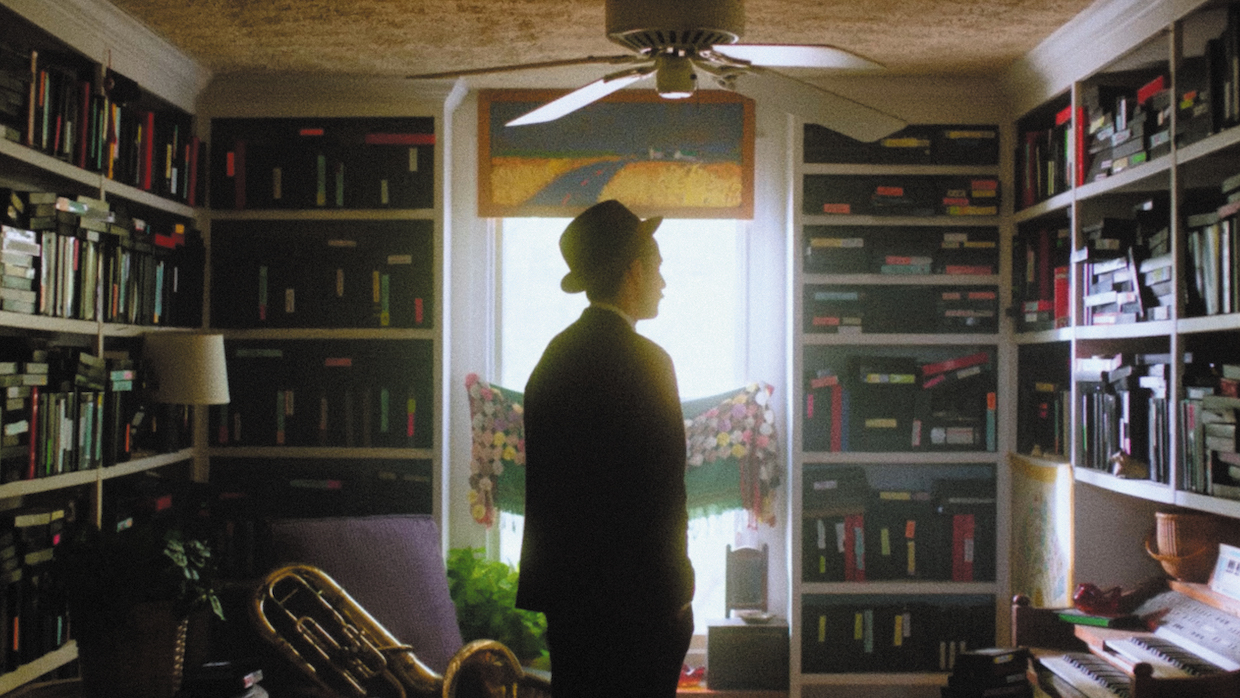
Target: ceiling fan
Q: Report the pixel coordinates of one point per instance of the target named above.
(676, 40)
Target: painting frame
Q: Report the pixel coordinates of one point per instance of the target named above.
(719, 185)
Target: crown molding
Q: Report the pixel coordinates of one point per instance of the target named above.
(273, 94)
(1094, 38)
(103, 33)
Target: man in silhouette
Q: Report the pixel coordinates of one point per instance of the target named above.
(604, 550)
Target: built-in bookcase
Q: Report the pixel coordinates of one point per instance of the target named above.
(99, 177)
(898, 305)
(1137, 350)
(325, 278)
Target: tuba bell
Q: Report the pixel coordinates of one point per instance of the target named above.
(314, 623)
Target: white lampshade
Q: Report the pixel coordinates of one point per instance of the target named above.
(189, 368)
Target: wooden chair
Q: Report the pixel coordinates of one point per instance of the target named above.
(745, 579)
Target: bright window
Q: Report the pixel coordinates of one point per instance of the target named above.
(700, 324)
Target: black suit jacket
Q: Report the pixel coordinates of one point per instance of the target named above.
(605, 518)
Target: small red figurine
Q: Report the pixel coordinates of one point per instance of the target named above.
(1090, 599)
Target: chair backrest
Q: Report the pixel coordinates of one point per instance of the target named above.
(391, 565)
(745, 579)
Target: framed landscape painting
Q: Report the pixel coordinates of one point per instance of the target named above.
(689, 158)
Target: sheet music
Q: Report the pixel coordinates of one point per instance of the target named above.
(1210, 633)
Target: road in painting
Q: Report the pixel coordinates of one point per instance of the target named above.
(579, 187)
(684, 155)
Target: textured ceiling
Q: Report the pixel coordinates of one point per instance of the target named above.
(398, 37)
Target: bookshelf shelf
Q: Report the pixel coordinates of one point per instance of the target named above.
(28, 160)
(43, 323)
(1208, 323)
(1158, 328)
(898, 679)
(897, 221)
(899, 588)
(323, 452)
(334, 334)
(1211, 147)
(29, 672)
(1153, 176)
(326, 214)
(865, 170)
(1143, 489)
(1056, 205)
(1063, 334)
(899, 457)
(1214, 505)
(903, 279)
(139, 463)
(885, 339)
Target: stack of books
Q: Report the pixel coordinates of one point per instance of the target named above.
(1126, 127)
(1040, 278)
(1124, 410)
(990, 673)
(969, 196)
(224, 679)
(955, 407)
(24, 377)
(1211, 455)
(967, 252)
(1214, 277)
(835, 310)
(35, 619)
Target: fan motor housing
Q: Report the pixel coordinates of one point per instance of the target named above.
(656, 25)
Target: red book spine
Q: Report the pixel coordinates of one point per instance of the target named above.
(854, 548)
(962, 548)
(1078, 143)
(980, 357)
(1061, 296)
(34, 432)
(837, 418)
(399, 138)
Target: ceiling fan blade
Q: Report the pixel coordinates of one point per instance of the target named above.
(816, 105)
(582, 96)
(587, 60)
(797, 56)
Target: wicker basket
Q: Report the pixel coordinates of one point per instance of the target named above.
(1187, 544)
(143, 659)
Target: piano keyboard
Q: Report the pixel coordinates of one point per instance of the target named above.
(1091, 675)
(1167, 659)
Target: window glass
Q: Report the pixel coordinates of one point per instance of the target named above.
(700, 324)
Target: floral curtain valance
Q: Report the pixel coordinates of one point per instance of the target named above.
(731, 448)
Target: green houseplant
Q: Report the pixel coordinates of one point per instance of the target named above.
(131, 595)
(485, 594)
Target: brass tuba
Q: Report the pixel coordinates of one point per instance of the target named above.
(329, 637)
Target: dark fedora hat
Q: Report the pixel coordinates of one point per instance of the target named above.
(605, 237)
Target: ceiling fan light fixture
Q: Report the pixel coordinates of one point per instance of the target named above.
(674, 76)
